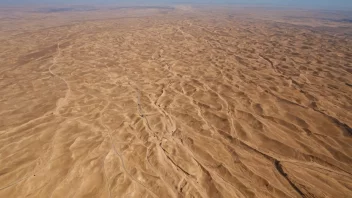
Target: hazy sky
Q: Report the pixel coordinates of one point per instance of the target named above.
(347, 4)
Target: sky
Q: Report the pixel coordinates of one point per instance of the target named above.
(334, 4)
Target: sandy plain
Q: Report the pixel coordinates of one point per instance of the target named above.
(175, 102)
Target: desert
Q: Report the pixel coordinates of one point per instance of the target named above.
(175, 101)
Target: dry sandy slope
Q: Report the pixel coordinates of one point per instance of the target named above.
(178, 104)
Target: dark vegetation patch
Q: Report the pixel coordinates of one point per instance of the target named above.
(65, 9)
(143, 7)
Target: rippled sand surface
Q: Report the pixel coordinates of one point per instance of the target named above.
(175, 102)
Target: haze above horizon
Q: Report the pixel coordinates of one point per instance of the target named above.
(337, 4)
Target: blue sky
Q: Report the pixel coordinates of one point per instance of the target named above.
(346, 4)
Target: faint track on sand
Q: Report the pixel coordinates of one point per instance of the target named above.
(62, 101)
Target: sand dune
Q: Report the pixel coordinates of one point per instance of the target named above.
(162, 102)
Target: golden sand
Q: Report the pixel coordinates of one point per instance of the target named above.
(175, 102)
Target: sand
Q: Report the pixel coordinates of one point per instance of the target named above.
(175, 102)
